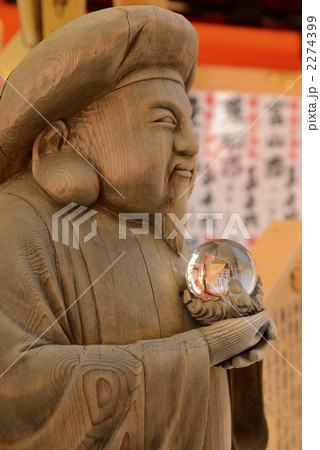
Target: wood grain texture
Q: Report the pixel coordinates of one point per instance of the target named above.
(46, 270)
(97, 353)
(233, 336)
(63, 74)
(237, 303)
(250, 428)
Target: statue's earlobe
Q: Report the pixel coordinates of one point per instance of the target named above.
(60, 171)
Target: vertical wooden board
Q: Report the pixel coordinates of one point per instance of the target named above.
(12, 54)
(30, 17)
(159, 3)
(1, 34)
(278, 255)
(56, 14)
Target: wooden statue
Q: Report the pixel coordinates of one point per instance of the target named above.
(98, 349)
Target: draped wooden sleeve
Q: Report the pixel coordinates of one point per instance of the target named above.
(55, 394)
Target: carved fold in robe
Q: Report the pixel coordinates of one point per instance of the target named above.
(125, 366)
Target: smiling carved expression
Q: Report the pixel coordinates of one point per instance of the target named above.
(140, 137)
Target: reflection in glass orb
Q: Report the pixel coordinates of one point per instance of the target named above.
(214, 264)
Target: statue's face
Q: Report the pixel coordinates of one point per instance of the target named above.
(141, 139)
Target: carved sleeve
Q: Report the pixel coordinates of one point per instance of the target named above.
(54, 394)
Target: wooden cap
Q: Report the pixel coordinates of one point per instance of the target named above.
(84, 60)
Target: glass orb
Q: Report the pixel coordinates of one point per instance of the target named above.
(213, 264)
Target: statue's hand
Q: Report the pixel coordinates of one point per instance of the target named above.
(237, 303)
(256, 353)
(205, 312)
(231, 338)
(240, 302)
(245, 305)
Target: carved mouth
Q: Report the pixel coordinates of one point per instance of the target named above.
(184, 170)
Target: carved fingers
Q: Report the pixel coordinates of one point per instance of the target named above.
(237, 303)
(205, 312)
(230, 338)
(271, 332)
(256, 353)
(241, 303)
(240, 300)
(258, 291)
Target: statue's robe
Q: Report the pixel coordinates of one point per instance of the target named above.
(125, 366)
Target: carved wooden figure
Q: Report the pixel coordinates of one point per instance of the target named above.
(98, 349)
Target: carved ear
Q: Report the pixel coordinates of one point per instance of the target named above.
(50, 140)
(60, 171)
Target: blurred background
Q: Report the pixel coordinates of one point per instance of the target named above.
(247, 117)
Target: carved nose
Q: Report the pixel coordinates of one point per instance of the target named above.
(185, 141)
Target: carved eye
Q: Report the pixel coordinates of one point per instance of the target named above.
(167, 119)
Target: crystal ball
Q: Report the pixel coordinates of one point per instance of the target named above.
(213, 264)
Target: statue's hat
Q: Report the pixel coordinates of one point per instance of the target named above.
(85, 60)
